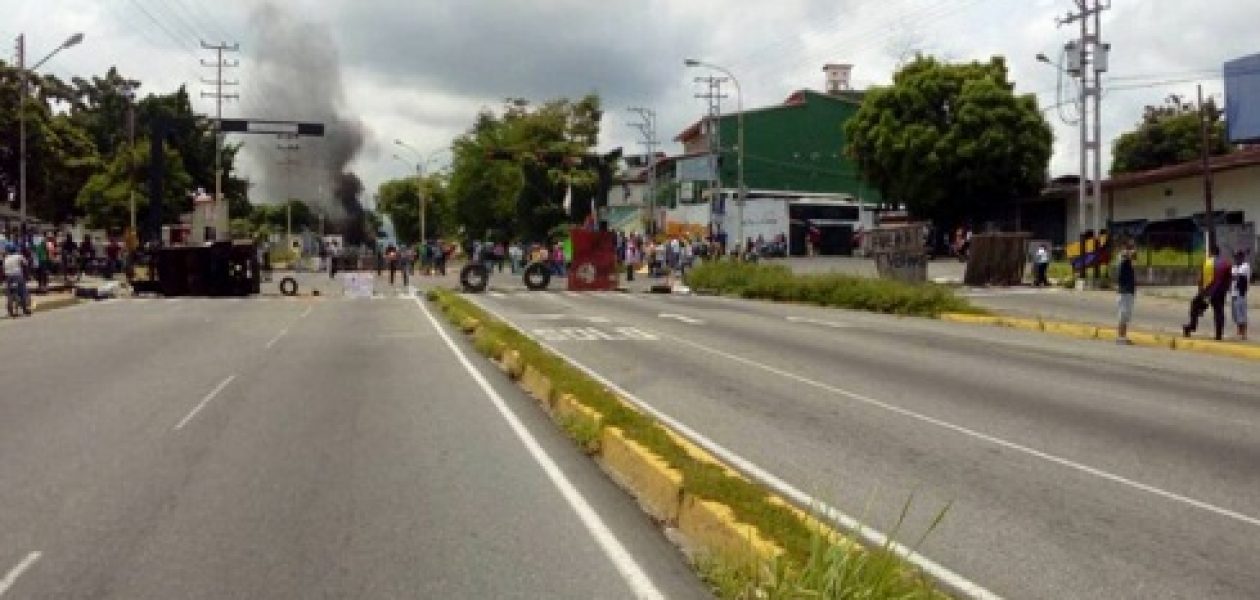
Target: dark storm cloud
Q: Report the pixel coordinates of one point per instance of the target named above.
(537, 50)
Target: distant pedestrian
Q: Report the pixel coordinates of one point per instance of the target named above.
(1241, 276)
(15, 267)
(1041, 264)
(1128, 291)
(1214, 284)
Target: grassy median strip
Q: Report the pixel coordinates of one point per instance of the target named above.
(868, 573)
(777, 282)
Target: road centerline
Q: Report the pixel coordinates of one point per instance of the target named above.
(633, 574)
(204, 401)
(12, 576)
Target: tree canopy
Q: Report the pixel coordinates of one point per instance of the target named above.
(400, 200)
(950, 140)
(1169, 134)
(80, 165)
(512, 169)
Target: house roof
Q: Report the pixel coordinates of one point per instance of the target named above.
(1227, 162)
(797, 98)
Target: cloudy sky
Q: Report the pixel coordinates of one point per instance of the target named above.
(419, 70)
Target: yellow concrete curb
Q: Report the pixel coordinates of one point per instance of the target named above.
(568, 407)
(512, 363)
(712, 526)
(1094, 332)
(469, 324)
(651, 480)
(537, 385)
(55, 303)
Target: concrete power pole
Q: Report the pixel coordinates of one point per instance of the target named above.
(21, 63)
(219, 64)
(1088, 60)
(714, 97)
(288, 163)
(647, 128)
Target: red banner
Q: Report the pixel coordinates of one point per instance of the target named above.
(594, 265)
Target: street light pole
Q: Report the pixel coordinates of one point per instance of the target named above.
(25, 74)
(739, 107)
(420, 199)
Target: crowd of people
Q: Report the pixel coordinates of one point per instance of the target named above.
(41, 256)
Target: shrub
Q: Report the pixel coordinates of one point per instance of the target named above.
(777, 282)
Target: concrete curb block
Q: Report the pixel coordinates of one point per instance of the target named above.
(713, 528)
(1094, 332)
(647, 477)
(512, 363)
(568, 407)
(536, 384)
(52, 304)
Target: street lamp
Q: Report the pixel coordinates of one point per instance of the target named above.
(739, 106)
(421, 165)
(70, 41)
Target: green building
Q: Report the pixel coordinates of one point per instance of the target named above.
(796, 146)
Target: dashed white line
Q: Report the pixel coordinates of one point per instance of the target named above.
(640, 584)
(498, 295)
(306, 312)
(832, 324)
(683, 318)
(204, 402)
(277, 338)
(13, 574)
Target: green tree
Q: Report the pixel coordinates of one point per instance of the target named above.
(1169, 134)
(400, 201)
(950, 140)
(511, 170)
(105, 198)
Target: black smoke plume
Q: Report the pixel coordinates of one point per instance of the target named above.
(292, 72)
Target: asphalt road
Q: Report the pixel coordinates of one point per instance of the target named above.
(260, 448)
(1071, 469)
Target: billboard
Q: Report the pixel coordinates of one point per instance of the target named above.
(1242, 99)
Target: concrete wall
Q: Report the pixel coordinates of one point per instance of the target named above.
(1235, 190)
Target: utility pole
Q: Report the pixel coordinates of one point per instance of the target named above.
(288, 163)
(219, 97)
(714, 97)
(1207, 172)
(1088, 59)
(21, 63)
(647, 128)
(131, 155)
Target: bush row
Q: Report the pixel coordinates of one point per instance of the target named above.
(777, 282)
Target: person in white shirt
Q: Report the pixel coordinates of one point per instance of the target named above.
(1041, 264)
(1240, 280)
(15, 267)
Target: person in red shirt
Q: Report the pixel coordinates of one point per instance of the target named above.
(1214, 286)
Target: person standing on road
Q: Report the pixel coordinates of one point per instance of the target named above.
(15, 267)
(1214, 284)
(1041, 264)
(1127, 285)
(87, 254)
(1241, 276)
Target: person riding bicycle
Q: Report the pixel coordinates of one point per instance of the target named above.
(15, 268)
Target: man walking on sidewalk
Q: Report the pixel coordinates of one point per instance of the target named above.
(1041, 264)
(1214, 284)
(1241, 276)
(1127, 285)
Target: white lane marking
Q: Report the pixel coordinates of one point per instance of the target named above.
(572, 294)
(563, 317)
(833, 324)
(1071, 464)
(277, 338)
(873, 537)
(204, 402)
(498, 295)
(306, 312)
(638, 580)
(683, 318)
(12, 577)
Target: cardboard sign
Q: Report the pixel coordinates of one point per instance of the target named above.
(594, 264)
(358, 285)
(898, 251)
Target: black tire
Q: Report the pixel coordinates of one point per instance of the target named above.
(474, 278)
(288, 286)
(537, 277)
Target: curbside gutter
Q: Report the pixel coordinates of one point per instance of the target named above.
(43, 305)
(701, 526)
(1095, 332)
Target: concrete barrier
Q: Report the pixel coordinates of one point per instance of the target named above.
(656, 486)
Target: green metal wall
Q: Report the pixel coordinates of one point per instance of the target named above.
(797, 148)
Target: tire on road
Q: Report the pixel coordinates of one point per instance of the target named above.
(474, 278)
(288, 286)
(537, 277)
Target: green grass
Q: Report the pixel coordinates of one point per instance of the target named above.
(748, 501)
(777, 282)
